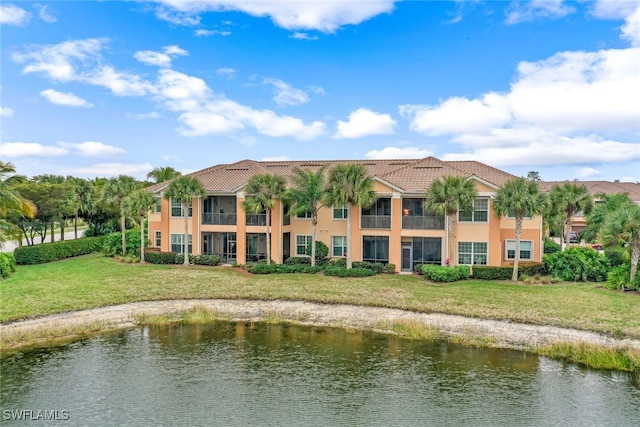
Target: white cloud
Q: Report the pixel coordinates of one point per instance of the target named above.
(302, 36)
(93, 149)
(61, 61)
(110, 169)
(204, 33)
(287, 94)
(458, 114)
(6, 112)
(30, 149)
(364, 122)
(68, 99)
(226, 72)
(327, 16)
(120, 83)
(587, 172)
(398, 153)
(13, 15)
(537, 9)
(143, 116)
(43, 12)
(160, 59)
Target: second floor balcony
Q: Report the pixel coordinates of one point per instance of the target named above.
(423, 222)
(257, 219)
(219, 218)
(376, 221)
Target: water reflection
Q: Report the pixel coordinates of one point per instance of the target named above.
(266, 374)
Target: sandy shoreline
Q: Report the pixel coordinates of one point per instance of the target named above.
(502, 333)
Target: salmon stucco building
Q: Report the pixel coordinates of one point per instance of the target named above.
(395, 229)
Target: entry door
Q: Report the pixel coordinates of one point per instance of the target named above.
(407, 254)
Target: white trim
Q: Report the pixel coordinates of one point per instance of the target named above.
(388, 184)
(344, 247)
(487, 183)
(506, 256)
(305, 246)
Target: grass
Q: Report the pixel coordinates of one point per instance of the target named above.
(95, 281)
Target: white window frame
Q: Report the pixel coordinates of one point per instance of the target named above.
(158, 238)
(473, 253)
(307, 239)
(507, 248)
(305, 215)
(175, 204)
(344, 209)
(158, 207)
(180, 237)
(343, 246)
(475, 209)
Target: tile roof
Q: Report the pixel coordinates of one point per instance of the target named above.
(597, 187)
(409, 175)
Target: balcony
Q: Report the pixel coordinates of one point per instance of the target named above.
(423, 222)
(219, 218)
(259, 219)
(376, 221)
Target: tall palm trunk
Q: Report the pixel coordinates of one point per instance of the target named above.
(75, 226)
(62, 224)
(185, 210)
(635, 256)
(566, 228)
(349, 209)
(268, 236)
(314, 225)
(451, 232)
(516, 258)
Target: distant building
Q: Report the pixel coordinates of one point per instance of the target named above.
(396, 229)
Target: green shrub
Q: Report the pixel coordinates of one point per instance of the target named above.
(207, 259)
(322, 251)
(113, 243)
(7, 265)
(530, 268)
(618, 278)
(48, 252)
(616, 256)
(439, 273)
(487, 272)
(294, 260)
(578, 264)
(348, 272)
(157, 257)
(297, 268)
(389, 269)
(263, 268)
(551, 247)
(377, 267)
(338, 262)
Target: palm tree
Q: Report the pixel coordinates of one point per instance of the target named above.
(307, 194)
(448, 196)
(138, 204)
(263, 190)
(185, 189)
(115, 190)
(608, 203)
(623, 226)
(11, 202)
(519, 197)
(162, 174)
(569, 199)
(350, 185)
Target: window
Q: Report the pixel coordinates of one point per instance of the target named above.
(511, 214)
(302, 240)
(380, 207)
(472, 253)
(158, 205)
(480, 212)
(158, 239)
(338, 246)
(412, 207)
(176, 208)
(375, 249)
(340, 212)
(526, 249)
(427, 250)
(303, 215)
(177, 243)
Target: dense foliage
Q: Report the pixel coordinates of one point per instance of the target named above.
(578, 264)
(7, 265)
(322, 251)
(48, 252)
(348, 272)
(113, 243)
(551, 247)
(486, 272)
(439, 273)
(618, 278)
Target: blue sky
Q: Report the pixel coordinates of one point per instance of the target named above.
(120, 87)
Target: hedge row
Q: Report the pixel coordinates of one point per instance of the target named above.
(48, 252)
(157, 257)
(348, 272)
(440, 273)
(486, 272)
(7, 265)
(263, 268)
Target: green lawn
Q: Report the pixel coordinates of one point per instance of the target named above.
(93, 281)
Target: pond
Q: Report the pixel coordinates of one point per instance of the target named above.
(239, 374)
